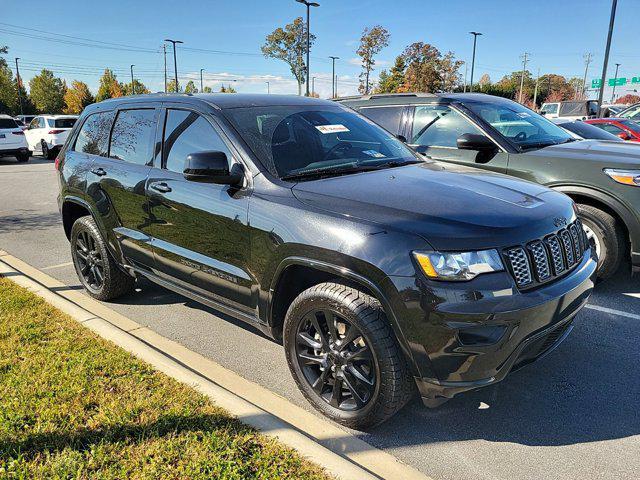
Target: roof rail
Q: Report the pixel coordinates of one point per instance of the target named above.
(386, 95)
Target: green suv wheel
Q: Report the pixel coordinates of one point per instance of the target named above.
(606, 238)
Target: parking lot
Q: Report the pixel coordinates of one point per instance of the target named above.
(574, 414)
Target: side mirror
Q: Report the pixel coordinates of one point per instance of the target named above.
(475, 141)
(211, 167)
(543, 112)
(402, 138)
(624, 136)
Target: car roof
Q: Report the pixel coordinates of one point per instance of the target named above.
(2, 115)
(56, 116)
(223, 101)
(416, 98)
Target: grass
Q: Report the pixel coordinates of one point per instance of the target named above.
(75, 406)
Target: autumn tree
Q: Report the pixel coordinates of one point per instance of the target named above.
(8, 94)
(109, 86)
(47, 92)
(390, 82)
(206, 89)
(628, 99)
(190, 87)
(423, 68)
(484, 80)
(228, 89)
(171, 86)
(372, 42)
(140, 88)
(77, 97)
(449, 69)
(288, 44)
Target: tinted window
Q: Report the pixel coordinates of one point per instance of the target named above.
(550, 108)
(187, 132)
(608, 127)
(573, 109)
(632, 112)
(8, 123)
(439, 126)
(386, 117)
(64, 122)
(631, 125)
(132, 136)
(93, 137)
(585, 130)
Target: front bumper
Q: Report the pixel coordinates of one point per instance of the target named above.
(469, 335)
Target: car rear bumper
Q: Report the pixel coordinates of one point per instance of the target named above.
(475, 337)
(13, 151)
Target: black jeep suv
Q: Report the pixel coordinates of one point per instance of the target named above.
(374, 266)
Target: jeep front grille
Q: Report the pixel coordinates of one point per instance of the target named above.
(543, 260)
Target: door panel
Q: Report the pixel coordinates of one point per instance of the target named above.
(118, 183)
(199, 231)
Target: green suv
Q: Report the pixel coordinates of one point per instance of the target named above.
(500, 135)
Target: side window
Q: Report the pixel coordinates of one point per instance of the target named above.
(439, 126)
(387, 117)
(93, 137)
(187, 132)
(551, 108)
(132, 136)
(42, 122)
(608, 127)
(34, 123)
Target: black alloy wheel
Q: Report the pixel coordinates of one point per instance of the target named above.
(336, 360)
(45, 149)
(89, 260)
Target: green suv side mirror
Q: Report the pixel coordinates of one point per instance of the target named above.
(211, 167)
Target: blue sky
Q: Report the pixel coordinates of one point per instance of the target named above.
(555, 33)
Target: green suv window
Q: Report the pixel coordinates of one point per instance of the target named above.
(439, 126)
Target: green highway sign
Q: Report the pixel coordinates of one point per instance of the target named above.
(635, 80)
(617, 82)
(614, 82)
(596, 83)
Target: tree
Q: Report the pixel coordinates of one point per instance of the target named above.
(141, 89)
(47, 92)
(423, 68)
(77, 97)
(190, 87)
(288, 44)
(576, 85)
(628, 99)
(449, 69)
(171, 86)
(373, 40)
(228, 89)
(392, 81)
(484, 80)
(109, 86)
(206, 89)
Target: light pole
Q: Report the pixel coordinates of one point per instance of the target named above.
(333, 76)
(18, 85)
(164, 50)
(175, 61)
(268, 88)
(612, 20)
(473, 57)
(615, 77)
(313, 85)
(201, 83)
(133, 85)
(309, 5)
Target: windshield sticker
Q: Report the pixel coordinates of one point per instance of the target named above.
(373, 153)
(523, 114)
(332, 128)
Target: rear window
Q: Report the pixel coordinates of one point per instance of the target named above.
(93, 137)
(573, 109)
(64, 122)
(387, 117)
(8, 123)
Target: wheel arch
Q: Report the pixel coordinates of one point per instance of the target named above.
(72, 209)
(296, 274)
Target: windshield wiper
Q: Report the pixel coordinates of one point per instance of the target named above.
(533, 145)
(327, 171)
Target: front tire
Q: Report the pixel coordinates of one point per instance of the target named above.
(606, 237)
(345, 357)
(98, 272)
(47, 152)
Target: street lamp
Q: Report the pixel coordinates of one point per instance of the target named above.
(473, 57)
(333, 76)
(268, 88)
(175, 61)
(612, 19)
(309, 5)
(133, 86)
(615, 78)
(201, 83)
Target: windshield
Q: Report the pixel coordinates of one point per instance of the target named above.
(8, 123)
(633, 112)
(631, 125)
(584, 130)
(64, 122)
(519, 125)
(294, 140)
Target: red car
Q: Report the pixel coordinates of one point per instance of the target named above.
(621, 127)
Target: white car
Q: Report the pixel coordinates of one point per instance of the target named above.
(47, 133)
(12, 139)
(570, 110)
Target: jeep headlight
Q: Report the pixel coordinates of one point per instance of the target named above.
(626, 177)
(458, 266)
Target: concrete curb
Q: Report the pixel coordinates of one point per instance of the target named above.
(340, 453)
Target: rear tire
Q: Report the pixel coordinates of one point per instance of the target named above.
(98, 272)
(47, 152)
(365, 366)
(22, 157)
(606, 237)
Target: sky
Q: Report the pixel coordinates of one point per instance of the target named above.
(555, 33)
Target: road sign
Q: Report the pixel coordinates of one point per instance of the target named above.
(635, 80)
(617, 82)
(596, 83)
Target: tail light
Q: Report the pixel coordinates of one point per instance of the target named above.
(56, 164)
(53, 132)
(18, 133)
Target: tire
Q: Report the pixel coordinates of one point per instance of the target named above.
(384, 384)
(22, 157)
(606, 237)
(90, 256)
(47, 152)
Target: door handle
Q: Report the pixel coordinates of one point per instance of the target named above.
(160, 187)
(99, 171)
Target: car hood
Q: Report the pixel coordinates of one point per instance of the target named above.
(450, 206)
(615, 154)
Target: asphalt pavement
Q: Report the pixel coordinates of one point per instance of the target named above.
(573, 414)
